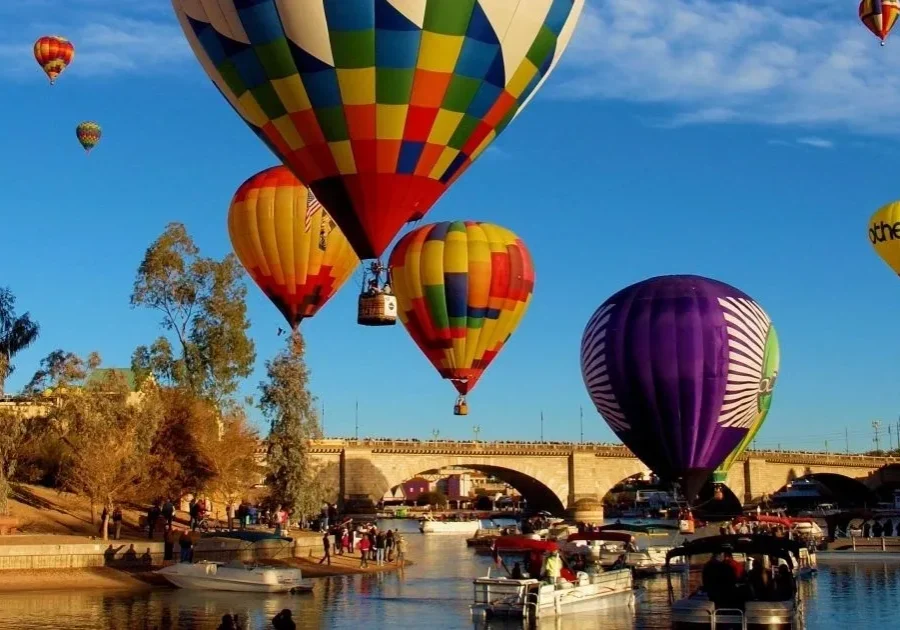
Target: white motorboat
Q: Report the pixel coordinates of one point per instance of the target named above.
(234, 576)
(428, 525)
(519, 594)
(608, 548)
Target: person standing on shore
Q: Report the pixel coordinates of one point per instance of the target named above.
(152, 516)
(389, 545)
(379, 548)
(168, 512)
(400, 544)
(326, 545)
(117, 522)
(186, 543)
(168, 544)
(363, 547)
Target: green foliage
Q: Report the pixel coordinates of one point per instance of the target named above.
(60, 370)
(17, 332)
(433, 498)
(17, 432)
(203, 306)
(290, 409)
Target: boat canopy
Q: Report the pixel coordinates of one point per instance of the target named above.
(637, 529)
(610, 536)
(758, 544)
(524, 544)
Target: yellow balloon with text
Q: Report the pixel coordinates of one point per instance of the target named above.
(884, 234)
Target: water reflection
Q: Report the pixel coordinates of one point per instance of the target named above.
(435, 594)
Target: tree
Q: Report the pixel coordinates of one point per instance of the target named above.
(203, 306)
(60, 370)
(109, 440)
(17, 332)
(290, 409)
(229, 447)
(17, 432)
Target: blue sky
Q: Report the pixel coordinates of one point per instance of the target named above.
(727, 139)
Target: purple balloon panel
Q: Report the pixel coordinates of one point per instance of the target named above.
(672, 364)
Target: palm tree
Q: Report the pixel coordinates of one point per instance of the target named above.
(16, 333)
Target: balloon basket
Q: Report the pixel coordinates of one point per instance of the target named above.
(379, 309)
(461, 409)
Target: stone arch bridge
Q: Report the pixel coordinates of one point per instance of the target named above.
(554, 476)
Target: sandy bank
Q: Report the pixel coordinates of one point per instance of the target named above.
(68, 579)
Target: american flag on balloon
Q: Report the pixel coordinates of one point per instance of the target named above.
(312, 206)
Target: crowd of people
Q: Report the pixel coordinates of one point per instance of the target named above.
(373, 544)
(730, 584)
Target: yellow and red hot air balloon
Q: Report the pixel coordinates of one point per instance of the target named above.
(884, 234)
(378, 105)
(53, 53)
(879, 16)
(462, 288)
(288, 243)
(88, 134)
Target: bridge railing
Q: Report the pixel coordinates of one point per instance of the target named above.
(601, 449)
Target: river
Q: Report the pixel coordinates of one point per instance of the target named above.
(434, 594)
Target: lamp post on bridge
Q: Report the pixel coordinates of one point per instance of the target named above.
(476, 430)
(435, 433)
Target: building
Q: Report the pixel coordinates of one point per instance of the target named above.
(414, 487)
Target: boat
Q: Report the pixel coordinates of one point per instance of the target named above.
(485, 536)
(428, 525)
(234, 576)
(527, 597)
(800, 526)
(608, 548)
(696, 611)
(650, 529)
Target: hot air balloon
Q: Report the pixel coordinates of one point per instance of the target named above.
(884, 234)
(378, 105)
(88, 134)
(288, 244)
(772, 359)
(676, 366)
(462, 288)
(53, 53)
(879, 16)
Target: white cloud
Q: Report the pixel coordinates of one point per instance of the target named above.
(723, 61)
(816, 142)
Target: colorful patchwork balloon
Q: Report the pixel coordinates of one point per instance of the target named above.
(88, 134)
(378, 105)
(462, 288)
(288, 244)
(53, 53)
(681, 369)
(879, 16)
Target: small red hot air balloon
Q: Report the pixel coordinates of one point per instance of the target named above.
(53, 53)
(879, 16)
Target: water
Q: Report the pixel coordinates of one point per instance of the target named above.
(434, 594)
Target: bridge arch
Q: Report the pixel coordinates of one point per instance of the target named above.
(537, 495)
(838, 488)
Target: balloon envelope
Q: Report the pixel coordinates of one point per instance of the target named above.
(288, 243)
(675, 364)
(88, 134)
(462, 288)
(53, 53)
(879, 16)
(884, 234)
(378, 105)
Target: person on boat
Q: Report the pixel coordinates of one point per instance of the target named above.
(517, 573)
(736, 566)
(719, 581)
(784, 584)
(227, 623)
(631, 545)
(284, 621)
(760, 581)
(552, 569)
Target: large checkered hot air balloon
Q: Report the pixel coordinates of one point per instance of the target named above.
(681, 368)
(462, 288)
(378, 105)
(288, 244)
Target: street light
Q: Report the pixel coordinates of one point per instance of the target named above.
(476, 430)
(434, 434)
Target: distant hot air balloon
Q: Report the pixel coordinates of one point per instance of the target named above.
(378, 105)
(53, 53)
(879, 16)
(462, 289)
(884, 234)
(677, 365)
(88, 134)
(287, 242)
